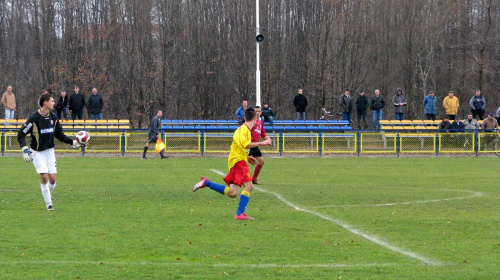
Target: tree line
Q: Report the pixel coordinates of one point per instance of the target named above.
(195, 59)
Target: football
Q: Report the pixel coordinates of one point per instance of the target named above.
(83, 137)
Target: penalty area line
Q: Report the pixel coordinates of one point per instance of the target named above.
(172, 264)
(348, 227)
(475, 194)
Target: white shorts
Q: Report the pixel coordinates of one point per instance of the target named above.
(45, 161)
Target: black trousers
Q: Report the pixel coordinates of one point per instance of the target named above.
(362, 114)
(478, 113)
(431, 117)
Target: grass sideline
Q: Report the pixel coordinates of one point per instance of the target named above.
(131, 219)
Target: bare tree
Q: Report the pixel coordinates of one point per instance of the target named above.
(196, 59)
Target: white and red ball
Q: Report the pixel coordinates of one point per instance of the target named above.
(83, 137)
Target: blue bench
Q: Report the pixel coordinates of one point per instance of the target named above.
(277, 122)
(279, 125)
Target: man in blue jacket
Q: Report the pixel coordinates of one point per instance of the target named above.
(240, 113)
(430, 105)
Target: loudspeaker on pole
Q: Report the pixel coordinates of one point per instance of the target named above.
(260, 38)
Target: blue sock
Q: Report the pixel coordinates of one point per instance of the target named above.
(244, 199)
(216, 187)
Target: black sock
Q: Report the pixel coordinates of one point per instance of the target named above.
(161, 153)
(145, 150)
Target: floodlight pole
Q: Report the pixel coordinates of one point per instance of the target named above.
(257, 71)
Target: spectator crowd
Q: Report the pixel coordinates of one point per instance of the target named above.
(71, 106)
(376, 104)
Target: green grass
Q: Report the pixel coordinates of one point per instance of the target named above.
(123, 218)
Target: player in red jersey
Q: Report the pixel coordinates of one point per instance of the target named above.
(257, 132)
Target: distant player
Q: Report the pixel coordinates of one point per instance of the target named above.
(239, 174)
(257, 132)
(43, 126)
(154, 130)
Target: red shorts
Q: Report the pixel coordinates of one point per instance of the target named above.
(238, 174)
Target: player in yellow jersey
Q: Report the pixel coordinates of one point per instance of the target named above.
(239, 174)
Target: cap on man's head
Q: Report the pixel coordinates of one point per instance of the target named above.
(491, 114)
(346, 89)
(361, 91)
(265, 103)
(457, 117)
(447, 117)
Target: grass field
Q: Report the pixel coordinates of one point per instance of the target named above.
(315, 218)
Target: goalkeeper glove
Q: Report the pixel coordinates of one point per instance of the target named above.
(76, 144)
(27, 154)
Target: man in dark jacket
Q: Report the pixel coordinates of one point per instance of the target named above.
(378, 102)
(346, 104)
(95, 105)
(153, 134)
(62, 105)
(362, 104)
(76, 104)
(399, 101)
(457, 125)
(267, 114)
(477, 105)
(445, 125)
(300, 103)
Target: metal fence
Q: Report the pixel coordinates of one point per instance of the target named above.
(355, 142)
(339, 143)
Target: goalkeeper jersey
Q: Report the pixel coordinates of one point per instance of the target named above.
(241, 139)
(42, 129)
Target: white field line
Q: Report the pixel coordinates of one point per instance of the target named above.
(473, 194)
(180, 263)
(350, 228)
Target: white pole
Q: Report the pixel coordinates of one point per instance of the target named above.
(257, 72)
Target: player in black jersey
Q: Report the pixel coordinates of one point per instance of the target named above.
(43, 126)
